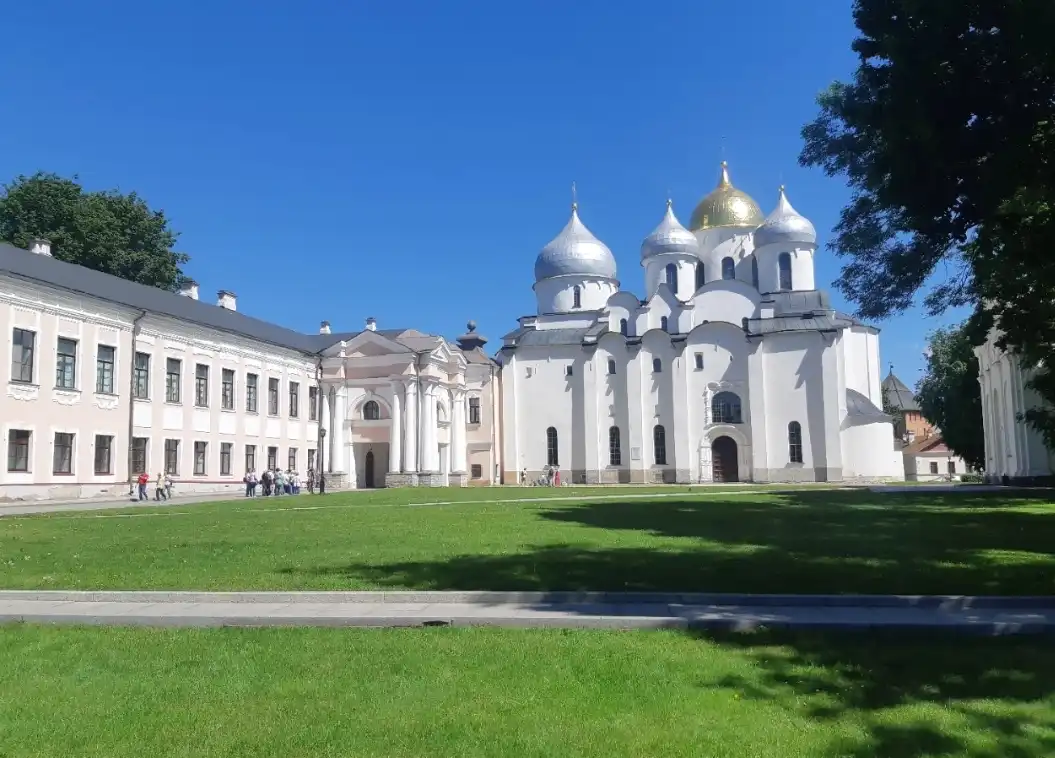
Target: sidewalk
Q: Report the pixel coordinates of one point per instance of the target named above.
(988, 616)
(27, 507)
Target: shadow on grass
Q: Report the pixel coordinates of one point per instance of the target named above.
(997, 694)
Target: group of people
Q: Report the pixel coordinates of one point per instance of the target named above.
(162, 486)
(550, 477)
(274, 482)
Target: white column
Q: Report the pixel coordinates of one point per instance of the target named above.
(324, 421)
(458, 432)
(430, 451)
(395, 435)
(339, 442)
(410, 465)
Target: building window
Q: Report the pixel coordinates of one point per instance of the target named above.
(754, 271)
(139, 455)
(699, 361)
(62, 455)
(294, 399)
(611, 366)
(934, 467)
(250, 458)
(23, 342)
(576, 297)
(624, 327)
(311, 459)
(701, 275)
(784, 263)
(474, 410)
(664, 323)
(105, 356)
(250, 392)
(172, 457)
(671, 272)
(201, 385)
(795, 442)
(173, 370)
(569, 370)
(615, 453)
(104, 454)
(952, 467)
(657, 366)
(313, 403)
(66, 364)
(725, 408)
(659, 445)
(272, 458)
(476, 471)
(227, 389)
(272, 397)
(552, 450)
(728, 268)
(371, 410)
(141, 380)
(18, 449)
(291, 459)
(200, 457)
(225, 458)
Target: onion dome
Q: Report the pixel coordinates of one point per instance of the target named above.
(726, 206)
(575, 252)
(670, 238)
(784, 225)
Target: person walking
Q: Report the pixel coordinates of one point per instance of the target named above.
(143, 480)
(159, 488)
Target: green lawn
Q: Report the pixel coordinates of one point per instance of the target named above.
(804, 540)
(67, 691)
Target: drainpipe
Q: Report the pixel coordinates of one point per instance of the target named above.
(496, 463)
(132, 400)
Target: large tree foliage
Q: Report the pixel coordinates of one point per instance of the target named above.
(949, 394)
(945, 134)
(104, 230)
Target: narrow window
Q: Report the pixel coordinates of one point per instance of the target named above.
(62, 455)
(569, 370)
(172, 457)
(66, 364)
(952, 467)
(657, 366)
(576, 295)
(795, 442)
(173, 368)
(615, 453)
(728, 268)
(23, 344)
(784, 262)
(18, 450)
(476, 471)
(272, 397)
(225, 458)
(699, 361)
(725, 408)
(624, 327)
(313, 403)
(311, 459)
(934, 467)
(672, 277)
(139, 455)
(552, 451)
(250, 392)
(371, 410)
(474, 410)
(611, 366)
(227, 389)
(294, 399)
(200, 457)
(201, 385)
(291, 459)
(104, 370)
(754, 271)
(701, 275)
(659, 445)
(663, 323)
(250, 458)
(272, 458)
(104, 454)
(141, 380)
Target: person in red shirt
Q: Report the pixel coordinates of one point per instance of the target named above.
(143, 481)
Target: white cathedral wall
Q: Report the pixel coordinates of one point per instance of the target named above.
(656, 274)
(726, 301)
(557, 295)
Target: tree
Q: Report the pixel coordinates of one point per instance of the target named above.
(949, 394)
(104, 230)
(945, 135)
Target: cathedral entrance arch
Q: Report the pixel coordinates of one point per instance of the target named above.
(724, 465)
(368, 470)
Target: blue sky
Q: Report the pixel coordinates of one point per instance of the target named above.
(407, 160)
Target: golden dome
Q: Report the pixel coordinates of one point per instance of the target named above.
(726, 206)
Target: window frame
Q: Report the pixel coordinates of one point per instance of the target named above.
(728, 269)
(291, 458)
(474, 409)
(611, 367)
(170, 462)
(476, 471)
(659, 445)
(785, 282)
(201, 385)
(140, 451)
(657, 365)
(103, 442)
(552, 447)
(272, 458)
(201, 458)
(670, 276)
(19, 440)
(26, 369)
(141, 376)
(173, 381)
(736, 411)
(250, 458)
(66, 364)
(65, 465)
(615, 447)
(371, 410)
(293, 390)
(252, 390)
(227, 398)
(576, 296)
(101, 370)
(274, 392)
(795, 442)
(226, 454)
(701, 274)
(313, 403)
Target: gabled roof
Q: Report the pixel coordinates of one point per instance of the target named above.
(897, 395)
(927, 445)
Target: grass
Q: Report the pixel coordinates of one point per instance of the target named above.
(475, 693)
(800, 540)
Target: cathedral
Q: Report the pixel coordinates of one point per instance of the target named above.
(734, 366)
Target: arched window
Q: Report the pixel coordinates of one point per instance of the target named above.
(624, 327)
(659, 445)
(754, 271)
(784, 262)
(615, 453)
(371, 410)
(657, 366)
(672, 277)
(701, 275)
(728, 268)
(725, 408)
(552, 452)
(576, 296)
(611, 366)
(795, 442)
(663, 323)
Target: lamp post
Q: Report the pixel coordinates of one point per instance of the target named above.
(322, 461)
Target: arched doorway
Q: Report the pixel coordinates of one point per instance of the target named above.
(724, 466)
(368, 473)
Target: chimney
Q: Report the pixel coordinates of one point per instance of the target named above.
(40, 246)
(227, 300)
(371, 324)
(324, 328)
(189, 288)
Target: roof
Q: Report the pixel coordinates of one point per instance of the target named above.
(897, 395)
(926, 445)
(529, 337)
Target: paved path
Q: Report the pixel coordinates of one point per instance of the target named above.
(531, 610)
(26, 507)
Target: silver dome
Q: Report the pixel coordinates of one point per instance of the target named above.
(670, 238)
(785, 225)
(575, 252)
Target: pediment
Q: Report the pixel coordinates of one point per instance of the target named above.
(369, 345)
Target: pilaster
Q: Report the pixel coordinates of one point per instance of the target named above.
(410, 464)
(395, 435)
